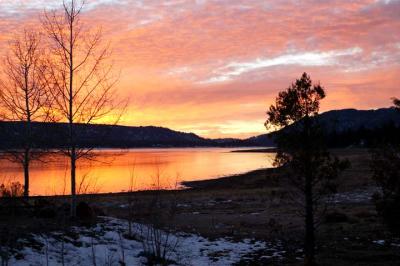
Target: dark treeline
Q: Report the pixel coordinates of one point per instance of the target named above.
(52, 135)
(361, 137)
(364, 137)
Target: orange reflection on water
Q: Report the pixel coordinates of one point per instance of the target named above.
(139, 169)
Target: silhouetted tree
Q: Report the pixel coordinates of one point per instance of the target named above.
(24, 97)
(396, 103)
(385, 165)
(301, 149)
(81, 77)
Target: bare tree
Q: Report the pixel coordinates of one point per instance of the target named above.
(23, 96)
(80, 75)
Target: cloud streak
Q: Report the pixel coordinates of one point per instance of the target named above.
(328, 58)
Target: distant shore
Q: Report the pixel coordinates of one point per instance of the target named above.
(263, 150)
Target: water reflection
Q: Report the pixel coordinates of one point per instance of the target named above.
(136, 169)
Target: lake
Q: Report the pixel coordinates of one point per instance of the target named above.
(135, 169)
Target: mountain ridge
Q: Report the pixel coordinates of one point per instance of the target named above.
(336, 122)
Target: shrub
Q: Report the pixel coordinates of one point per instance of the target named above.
(389, 210)
(11, 190)
(385, 166)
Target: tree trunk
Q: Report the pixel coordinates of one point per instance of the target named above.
(73, 182)
(71, 117)
(26, 174)
(309, 259)
(309, 219)
(28, 135)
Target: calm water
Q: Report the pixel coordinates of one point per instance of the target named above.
(138, 169)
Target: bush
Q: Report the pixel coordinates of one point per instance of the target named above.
(386, 172)
(11, 201)
(389, 210)
(11, 190)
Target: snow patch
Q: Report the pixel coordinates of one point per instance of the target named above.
(105, 244)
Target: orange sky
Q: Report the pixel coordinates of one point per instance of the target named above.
(214, 67)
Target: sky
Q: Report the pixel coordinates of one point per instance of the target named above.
(214, 67)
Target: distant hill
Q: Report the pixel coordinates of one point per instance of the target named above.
(350, 126)
(55, 135)
(345, 127)
(352, 119)
(264, 140)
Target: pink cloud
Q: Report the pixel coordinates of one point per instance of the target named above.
(189, 64)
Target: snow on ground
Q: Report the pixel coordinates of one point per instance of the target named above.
(356, 196)
(393, 242)
(105, 244)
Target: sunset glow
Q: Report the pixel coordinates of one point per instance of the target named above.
(213, 67)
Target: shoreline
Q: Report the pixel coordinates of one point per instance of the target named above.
(230, 181)
(226, 182)
(261, 150)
